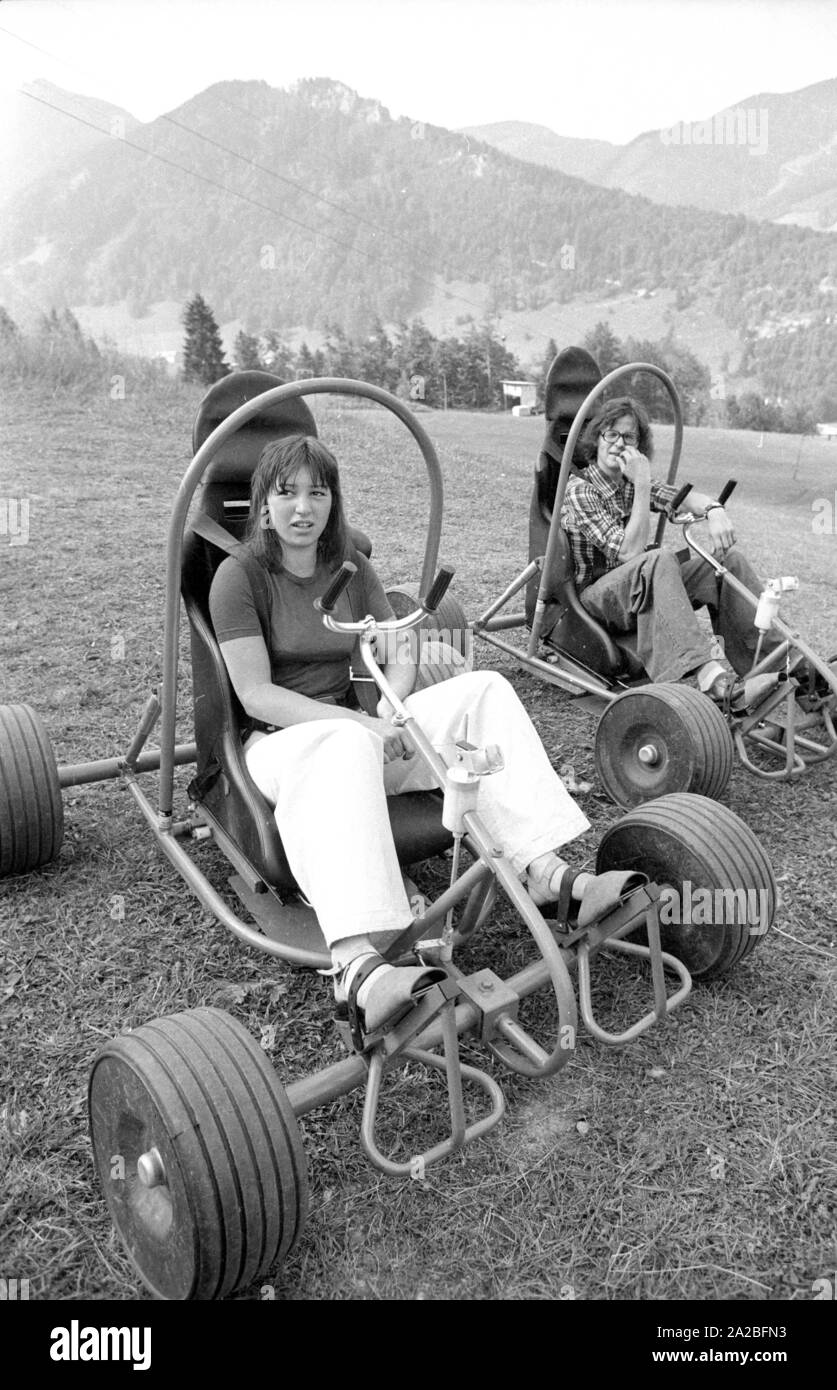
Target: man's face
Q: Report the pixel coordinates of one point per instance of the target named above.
(613, 441)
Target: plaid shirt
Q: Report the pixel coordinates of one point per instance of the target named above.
(594, 515)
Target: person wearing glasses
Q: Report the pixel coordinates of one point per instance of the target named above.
(607, 516)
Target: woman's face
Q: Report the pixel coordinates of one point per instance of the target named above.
(299, 510)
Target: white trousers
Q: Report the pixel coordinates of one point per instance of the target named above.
(328, 783)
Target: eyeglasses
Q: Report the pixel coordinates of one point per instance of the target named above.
(630, 439)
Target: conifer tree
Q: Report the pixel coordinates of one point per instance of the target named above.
(9, 331)
(246, 353)
(203, 355)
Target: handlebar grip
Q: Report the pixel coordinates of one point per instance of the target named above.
(327, 603)
(727, 489)
(674, 505)
(438, 589)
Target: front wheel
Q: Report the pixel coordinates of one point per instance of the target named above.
(660, 739)
(722, 893)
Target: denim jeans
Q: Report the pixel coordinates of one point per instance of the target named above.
(657, 595)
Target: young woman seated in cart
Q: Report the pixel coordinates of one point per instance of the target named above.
(327, 766)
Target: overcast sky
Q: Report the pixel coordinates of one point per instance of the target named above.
(603, 68)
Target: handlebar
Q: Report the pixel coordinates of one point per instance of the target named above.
(327, 603)
(438, 589)
(727, 489)
(342, 578)
(678, 498)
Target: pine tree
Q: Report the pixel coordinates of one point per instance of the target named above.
(203, 355)
(277, 356)
(376, 359)
(9, 331)
(304, 366)
(604, 345)
(340, 352)
(246, 353)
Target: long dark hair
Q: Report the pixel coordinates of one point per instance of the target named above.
(606, 416)
(279, 462)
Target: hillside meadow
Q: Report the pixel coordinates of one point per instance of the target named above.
(697, 1163)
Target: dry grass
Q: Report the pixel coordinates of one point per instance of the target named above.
(696, 1164)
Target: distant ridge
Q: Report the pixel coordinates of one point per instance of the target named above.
(537, 144)
(772, 155)
(35, 138)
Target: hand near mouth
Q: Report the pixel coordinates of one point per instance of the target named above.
(633, 465)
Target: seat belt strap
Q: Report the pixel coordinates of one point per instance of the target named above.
(210, 530)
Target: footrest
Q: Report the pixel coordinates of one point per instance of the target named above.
(456, 1072)
(660, 960)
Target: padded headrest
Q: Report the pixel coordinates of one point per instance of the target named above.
(238, 456)
(571, 378)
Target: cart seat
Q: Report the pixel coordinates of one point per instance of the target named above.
(567, 625)
(241, 817)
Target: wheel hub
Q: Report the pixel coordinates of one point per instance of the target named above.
(151, 1169)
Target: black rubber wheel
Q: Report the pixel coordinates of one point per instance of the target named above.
(726, 893)
(31, 809)
(659, 739)
(447, 624)
(220, 1193)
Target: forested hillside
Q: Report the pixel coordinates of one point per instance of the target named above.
(315, 207)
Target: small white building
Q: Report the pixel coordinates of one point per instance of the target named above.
(828, 431)
(522, 396)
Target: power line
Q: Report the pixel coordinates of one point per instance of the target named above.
(293, 183)
(235, 154)
(213, 183)
(346, 246)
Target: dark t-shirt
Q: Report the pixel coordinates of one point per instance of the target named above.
(304, 655)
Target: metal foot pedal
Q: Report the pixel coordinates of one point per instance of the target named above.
(660, 959)
(455, 1070)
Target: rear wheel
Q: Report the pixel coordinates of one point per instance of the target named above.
(199, 1154)
(724, 894)
(31, 809)
(659, 739)
(446, 641)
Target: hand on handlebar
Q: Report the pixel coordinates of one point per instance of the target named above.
(384, 709)
(396, 743)
(720, 529)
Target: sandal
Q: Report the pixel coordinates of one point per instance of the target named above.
(739, 696)
(603, 895)
(397, 992)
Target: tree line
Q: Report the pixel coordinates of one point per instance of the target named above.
(465, 373)
(58, 352)
(453, 372)
(704, 401)
(445, 373)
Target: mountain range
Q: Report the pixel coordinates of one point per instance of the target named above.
(771, 156)
(297, 209)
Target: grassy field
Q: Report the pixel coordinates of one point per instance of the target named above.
(698, 1163)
